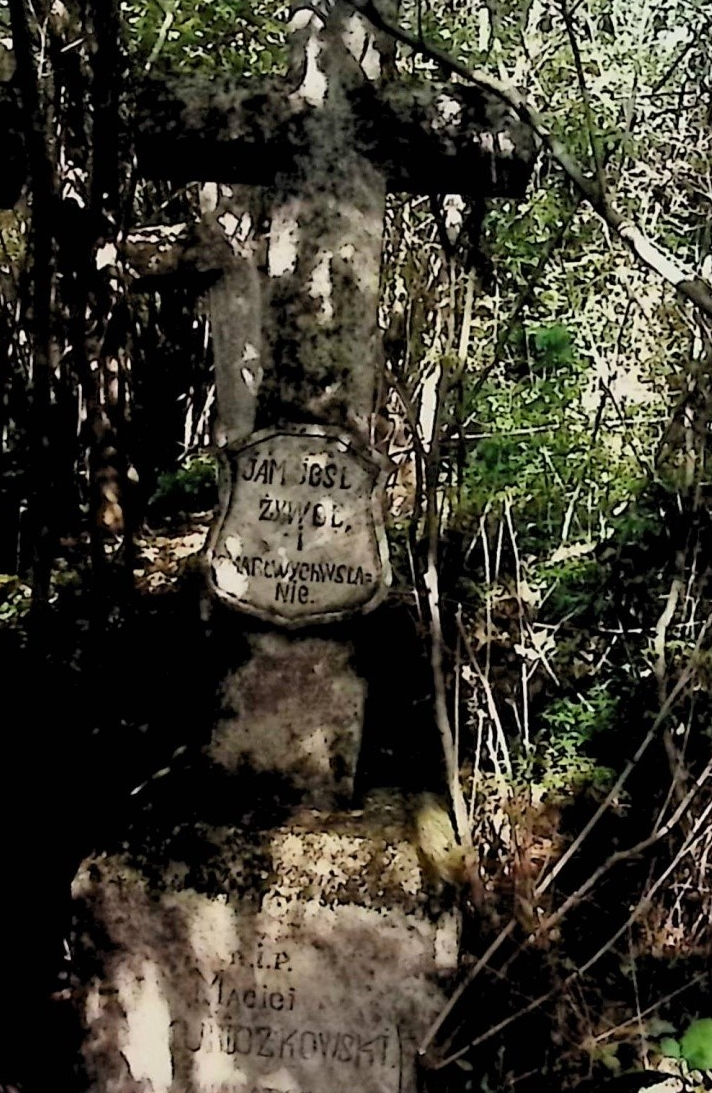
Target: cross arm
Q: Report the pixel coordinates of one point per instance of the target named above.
(446, 138)
(427, 137)
(199, 130)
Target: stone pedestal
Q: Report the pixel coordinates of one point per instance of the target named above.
(295, 707)
(306, 958)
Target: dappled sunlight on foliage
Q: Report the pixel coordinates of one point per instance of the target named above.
(234, 38)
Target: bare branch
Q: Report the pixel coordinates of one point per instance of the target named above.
(168, 19)
(580, 76)
(541, 888)
(612, 794)
(698, 833)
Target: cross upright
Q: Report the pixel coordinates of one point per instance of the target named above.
(324, 145)
(298, 171)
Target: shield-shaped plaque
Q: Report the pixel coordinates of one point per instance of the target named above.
(300, 538)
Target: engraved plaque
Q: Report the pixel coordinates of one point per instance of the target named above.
(301, 538)
(286, 1016)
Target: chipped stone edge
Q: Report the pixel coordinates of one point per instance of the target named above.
(372, 459)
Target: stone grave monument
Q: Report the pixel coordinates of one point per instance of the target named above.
(301, 950)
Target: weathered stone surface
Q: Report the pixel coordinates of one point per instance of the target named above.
(427, 138)
(303, 959)
(303, 342)
(308, 956)
(301, 539)
(296, 708)
(296, 340)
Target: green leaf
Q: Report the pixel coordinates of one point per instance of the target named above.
(696, 1044)
(670, 1047)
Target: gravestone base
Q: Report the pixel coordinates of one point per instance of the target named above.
(307, 958)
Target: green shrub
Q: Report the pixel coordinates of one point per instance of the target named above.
(561, 764)
(696, 1044)
(15, 598)
(190, 488)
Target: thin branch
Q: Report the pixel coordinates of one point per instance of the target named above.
(39, 140)
(598, 419)
(665, 709)
(661, 629)
(675, 64)
(621, 856)
(432, 586)
(581, 77)
(553, 40)
(649, 1009)
(169, 14)
(643, 904)
(491, 704)
(457, 994)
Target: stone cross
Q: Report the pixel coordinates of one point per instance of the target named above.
(298, 354)
(306, 953)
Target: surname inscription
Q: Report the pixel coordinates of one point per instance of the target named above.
(301, 538)
(277, 1017)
